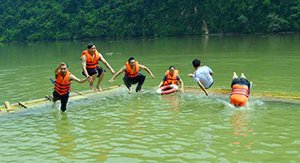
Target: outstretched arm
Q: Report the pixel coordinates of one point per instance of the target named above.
(117, 74)
(83, 63)
(181, 84)
(73, 77)
(106, 64)
(148, 70)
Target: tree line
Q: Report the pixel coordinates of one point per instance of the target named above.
(31, 20)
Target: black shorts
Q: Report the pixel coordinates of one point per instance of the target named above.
(63, 99)
(92, 71)
(241, 81)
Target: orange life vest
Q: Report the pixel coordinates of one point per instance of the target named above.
(129, 72)
(91, 61)
(239, 95)
(171, 79)
(62, 83)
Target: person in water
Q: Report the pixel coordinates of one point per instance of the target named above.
(202, 75)
(132, 74)
(63, 79)
(89, 61)
(171, 77)
(240, 90)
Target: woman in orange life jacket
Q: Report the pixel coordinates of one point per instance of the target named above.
(240, 90)
(132, 74)
(171, 77)
(63, 79)
(89, 62)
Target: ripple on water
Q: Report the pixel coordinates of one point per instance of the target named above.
(181, 128)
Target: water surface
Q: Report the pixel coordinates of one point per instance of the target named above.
(146, 127)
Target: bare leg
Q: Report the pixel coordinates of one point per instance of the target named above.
(243, 76)
(100, 78)
(92, 82)
(234, 76)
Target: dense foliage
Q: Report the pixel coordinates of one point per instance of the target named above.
(78, 19)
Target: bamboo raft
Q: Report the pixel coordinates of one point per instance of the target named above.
(7, 107)
(266, 96)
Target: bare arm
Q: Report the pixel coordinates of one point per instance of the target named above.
(160, 84)
(117, 74)
(106, 64)
(191, 75)
(83, 63)
(202, 87)
(73, 77)
(56, 70)
(148, 70)
(181, 84)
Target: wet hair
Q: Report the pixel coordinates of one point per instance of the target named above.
(172, 67)
(130, 59)
(196, 63)
(90, 45)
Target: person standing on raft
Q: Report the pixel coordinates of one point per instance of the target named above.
(89, 61)
(240, 90)
(132, 74)
(171, 77)
(202, 75)
(63, 79)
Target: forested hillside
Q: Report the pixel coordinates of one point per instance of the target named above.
(78, 19)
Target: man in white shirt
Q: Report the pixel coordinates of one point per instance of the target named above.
(202, 75)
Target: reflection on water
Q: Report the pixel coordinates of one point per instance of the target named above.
(241, 128)
(173, 101)
(63, 129)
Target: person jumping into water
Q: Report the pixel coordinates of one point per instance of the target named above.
(89, 61)
(240, 90)
(202, 75)
(132, 74)
(63, 79)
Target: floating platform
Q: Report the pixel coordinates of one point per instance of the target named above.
(75, 95)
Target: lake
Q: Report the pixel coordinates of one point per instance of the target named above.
(146, 127)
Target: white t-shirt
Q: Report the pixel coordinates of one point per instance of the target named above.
(202, 74)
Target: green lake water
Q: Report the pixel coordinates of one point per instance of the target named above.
(146, 127)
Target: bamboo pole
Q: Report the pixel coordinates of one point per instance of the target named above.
(22, 104)
(7, 105)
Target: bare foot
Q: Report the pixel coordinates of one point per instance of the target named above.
(243, 75)
(99, 89)
(91, 86)
(234, 75)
